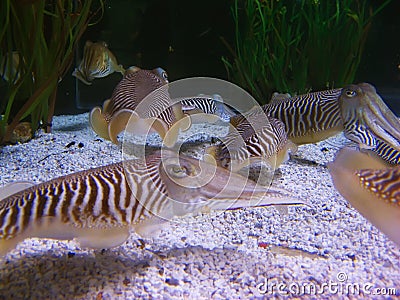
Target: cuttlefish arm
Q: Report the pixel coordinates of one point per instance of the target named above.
(361, 106)
(374, 191)
(380, 118)
(196, 184)
(98, 207)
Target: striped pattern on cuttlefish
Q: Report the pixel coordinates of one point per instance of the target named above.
(369, 122)
(98, 207)
(371, 187)
(97, 62)
(144, 95)
(308, 118)
(157, 113)
(253, 138)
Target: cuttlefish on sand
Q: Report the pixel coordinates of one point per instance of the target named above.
(308, 118)
(253, 137)
(127, 107)
(371, 187)
(97, 62)
(99, 207)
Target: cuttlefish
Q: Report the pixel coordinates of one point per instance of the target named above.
(356, 109)
(99, 207)
(97, 62)
(371, 187)
(126, 107)
(253, 137)
(368, 122)
(308, 118)
(141, 104)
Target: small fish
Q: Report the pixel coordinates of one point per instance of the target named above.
(98, 61)
(371, 187)
(98, 207)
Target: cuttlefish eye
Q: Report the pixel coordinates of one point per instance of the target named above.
(161, 73)
(164, 75)
(177, 171)
(351, 93)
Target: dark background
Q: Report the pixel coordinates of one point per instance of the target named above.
(184, 38)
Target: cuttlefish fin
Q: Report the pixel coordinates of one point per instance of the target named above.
(130, 121)
(53, 228)
(106, 105)
(193, 111)
(381, 213)
(150, 227)
(171, 135)
(99, 238)
(316, 136)
(14, 187)
(357, 160)
(119, 121)
(282, 155)
(99, 123)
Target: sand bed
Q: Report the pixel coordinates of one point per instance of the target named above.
(252, 253)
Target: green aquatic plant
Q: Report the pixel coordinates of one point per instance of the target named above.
(297, 46)
(37, 42)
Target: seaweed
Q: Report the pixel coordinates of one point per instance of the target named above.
(297, 46)
(37, 43)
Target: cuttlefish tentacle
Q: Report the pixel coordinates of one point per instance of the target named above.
(97, 207)
(379, 113)
(373, 189)
(308, 118)
(367, 119)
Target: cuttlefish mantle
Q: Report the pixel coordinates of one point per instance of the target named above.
(140, 100)
(99, 207)
(371, 188)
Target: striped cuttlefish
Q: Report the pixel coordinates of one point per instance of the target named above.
(127, 110)
(355, 109)
(97, 62)
(369, 122)
(253, 137)
(371, 187)
(99, 207)
(141, 104)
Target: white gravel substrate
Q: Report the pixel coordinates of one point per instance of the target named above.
(250, 253)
